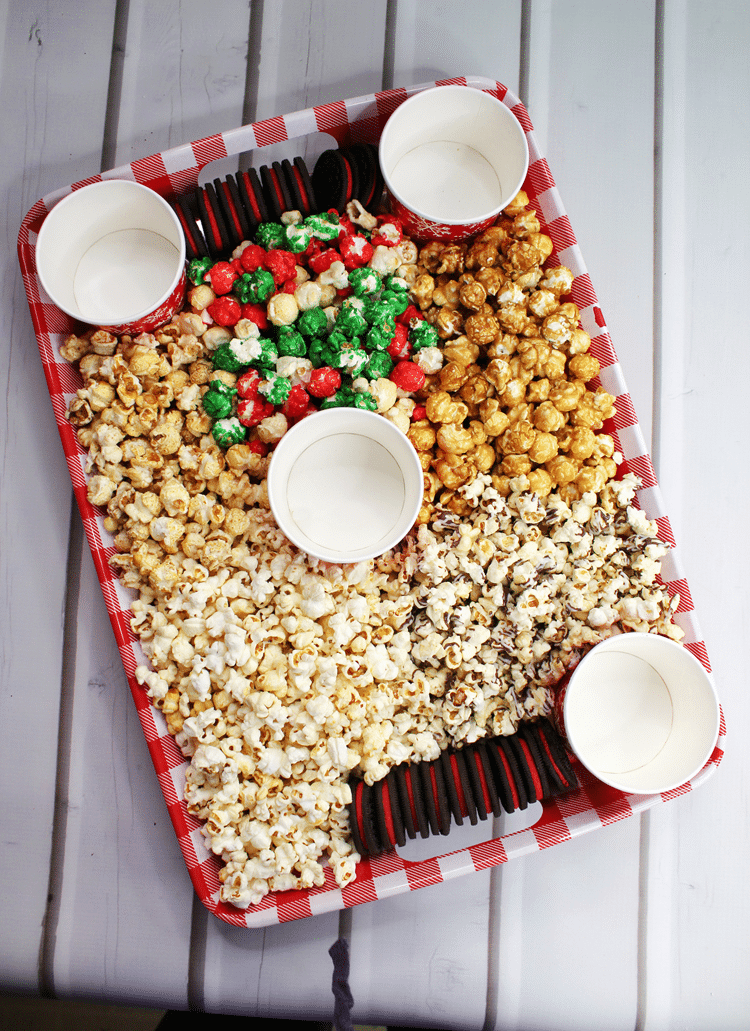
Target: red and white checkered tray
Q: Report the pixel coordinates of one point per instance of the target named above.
(594, 805)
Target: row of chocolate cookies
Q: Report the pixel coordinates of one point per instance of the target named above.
(220, 215)
(491, 776)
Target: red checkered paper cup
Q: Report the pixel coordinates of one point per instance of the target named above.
(112, 254)
(452, 158)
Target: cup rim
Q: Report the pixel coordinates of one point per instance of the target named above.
(338, 416)
(73, 197)
(620, 781)
(418, 212)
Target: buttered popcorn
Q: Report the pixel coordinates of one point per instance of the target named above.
(280, 676)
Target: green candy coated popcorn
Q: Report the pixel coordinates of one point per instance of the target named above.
(218, 401)
(312, 323)
(228, 431)
(291, 343)
(270, 235)
(397, 301)
(253, 287)
(343, 398)
(324, 225)
(379, 338)
(364, 399)
(225, 358)
(379, 365)
(297, 238)
(423, 335)
(375, 310)
(350, 321)
(364, 281)
(350, 360)
(198, 269)
(275, 389)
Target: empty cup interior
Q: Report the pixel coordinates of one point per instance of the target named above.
(453, 154)
(345, 485)
(641, 713)
(110, 252)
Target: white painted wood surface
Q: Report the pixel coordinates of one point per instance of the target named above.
(642, 111)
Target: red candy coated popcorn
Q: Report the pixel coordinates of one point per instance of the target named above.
(222, 275)
(409, 314)
(256, 313)
(324, 382)
(407, 376)
(248, 383)
(297, 403)
(399, 346)
(388, 234)
(281, 264)
(356, 251)
(252, 257)
(322, 260)
(253, 411)
(419, 412)
(225, 311)
(258, 448)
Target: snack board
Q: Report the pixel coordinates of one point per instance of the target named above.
(593, 805)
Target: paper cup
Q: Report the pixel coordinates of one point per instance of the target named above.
(345, 485)
(452, 158)
(112, 254)
(641, 713)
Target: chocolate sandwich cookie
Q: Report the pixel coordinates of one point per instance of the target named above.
(275, 191)
(524, 763)
(186, 210)
(299, 200)
(370, 837)
(488, 780)
(401, 800)
(355, 816)
(555, 757)
(508, 769)
(362, 159)
(232, 210)
(377, 194)
(332, 181)
(212, 221)
(501, 774)
(302, 176)
(435, 782)
(416, 799)
(390, 826)
(452, 788)
(516, 780)
(251, 195)
(479, 793)
(530, 742)
(463, 784)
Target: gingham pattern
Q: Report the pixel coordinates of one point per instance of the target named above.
(594, 805)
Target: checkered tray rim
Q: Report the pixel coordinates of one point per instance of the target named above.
(593, 805)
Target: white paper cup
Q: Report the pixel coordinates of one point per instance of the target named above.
(452, 158)
(112, 254)
(345, 485)
(641, 713)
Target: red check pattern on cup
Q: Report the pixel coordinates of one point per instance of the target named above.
(594, 805)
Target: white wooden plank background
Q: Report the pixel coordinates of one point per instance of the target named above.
(642, 111)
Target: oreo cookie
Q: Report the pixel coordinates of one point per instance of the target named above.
(488, 780)
(186, 211)
(436, 784)
(362, 159)
(460, 766)
(506, 792)
(251, 195)
(370, 837)
(302, 176)
(452, 788)
(398, 773)
(214, 230)
(416, 799)
(554, 756)
(355, 816)
(377, 194)
(481, 798)
(278, 199)
(523, 760)
(388, 820)
(533, 746)
(515, 777)
(232, 210)
(332, 181)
